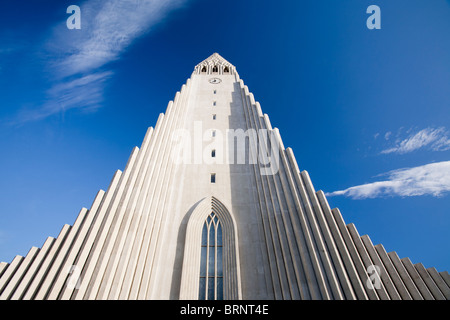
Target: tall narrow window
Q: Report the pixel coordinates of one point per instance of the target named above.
(213, 153)
(211, 264)
(214, 117)
(213, 178)
(203, 69)
(226, 70)
(215, 91)
(215, 69)
(211, 251)
(213, 133)
(214, 103)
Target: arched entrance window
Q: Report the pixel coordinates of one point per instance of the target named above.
(211, 261)
(210, 268)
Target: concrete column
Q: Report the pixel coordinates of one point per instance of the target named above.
(340, 248)
(99, 250)
(9, 272)
(31, 273)
(417, 279)
(19, 274)
(127, 237)
(154, 208)
(367, 261)
(275, 206)
(446, 277)
(384, 275)
(355, 256)
(296, 275)
(334, 262)
(149, 200)
(396, 280)
(412, 289)
(443, 287)
(44, 268)
(101, 286)
(273, 241)
(3, 266)
(431, 285)
(60, 257)
(83, 247)
(302, 207)
(264, 207)
(307, 271)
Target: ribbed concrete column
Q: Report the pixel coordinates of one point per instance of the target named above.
(60, 257)
(437, 294)
(354, 254)
(10, 271)
(87, 236)
(412, 289)
(49, 259)
(418, 281)
(34, 267)
(19, 274)
(347, 267)
(263, 204)
(100, 248)
(3, 266)
(440, 283)
(384, 275)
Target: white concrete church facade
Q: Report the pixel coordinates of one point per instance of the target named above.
(213, 206)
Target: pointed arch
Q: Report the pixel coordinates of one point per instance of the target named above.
(190, 284)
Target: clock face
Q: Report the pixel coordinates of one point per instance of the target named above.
(215, 80)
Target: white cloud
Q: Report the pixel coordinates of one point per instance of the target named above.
(107, 29)
(85, 92)
(437, 139)
(430, 179)
(78, 59)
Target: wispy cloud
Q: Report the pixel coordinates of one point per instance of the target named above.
(435, 139)
(108, 28)
(78, 59)
(387, 135)
(84, 92)
(430, 179)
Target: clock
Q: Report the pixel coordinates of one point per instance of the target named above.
(215, 80)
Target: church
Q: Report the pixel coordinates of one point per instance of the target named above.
(212, 206)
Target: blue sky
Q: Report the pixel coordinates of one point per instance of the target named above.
(365, 111)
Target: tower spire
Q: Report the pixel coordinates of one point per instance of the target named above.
(215, 64)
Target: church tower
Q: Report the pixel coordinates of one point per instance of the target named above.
(213, 206)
